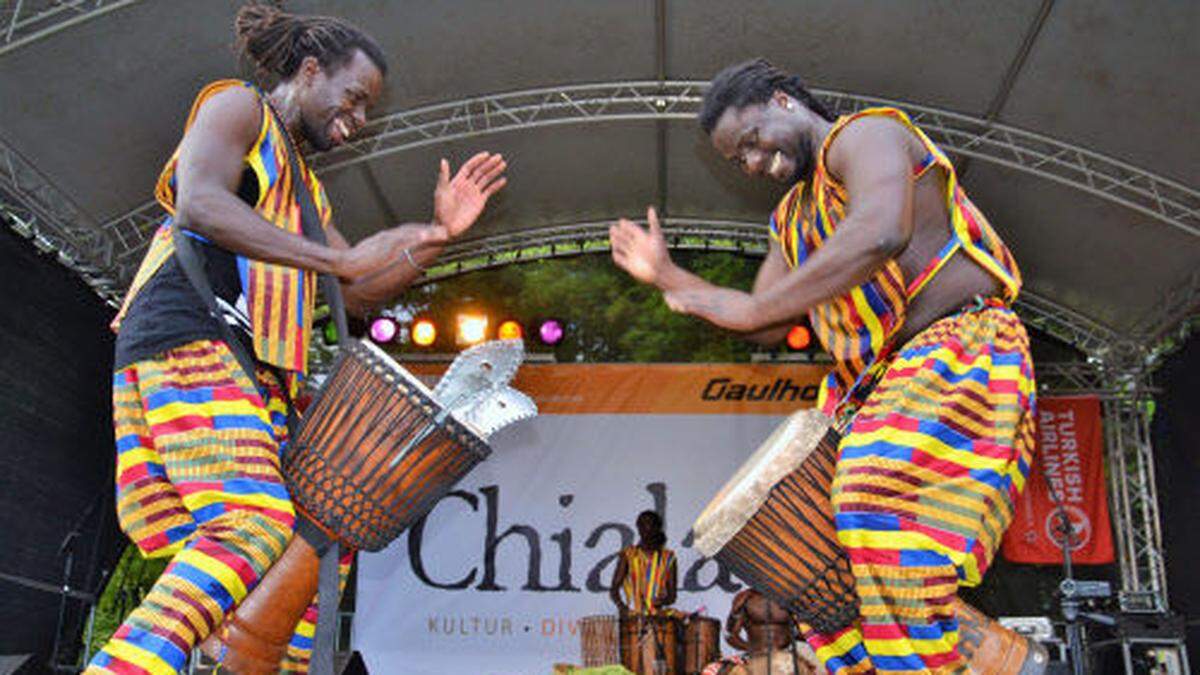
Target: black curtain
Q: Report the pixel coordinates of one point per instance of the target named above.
(1176, 437)
(56, 450)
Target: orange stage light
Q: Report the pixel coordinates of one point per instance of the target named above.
(423, 332)
(799, 337)
(510, 330)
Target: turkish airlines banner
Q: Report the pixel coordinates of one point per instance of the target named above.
(1070, 454)
(496, 578)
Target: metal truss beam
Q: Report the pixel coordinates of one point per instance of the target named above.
(1133, 502)
(26, 21)
(964, 135)
(961, 135)
(747, 238)
(37, 210)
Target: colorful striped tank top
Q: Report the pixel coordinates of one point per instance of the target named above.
(279, 299)
(647, 577)
(856, 326)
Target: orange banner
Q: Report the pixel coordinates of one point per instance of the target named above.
(658, 388)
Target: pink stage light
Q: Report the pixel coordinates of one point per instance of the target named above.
(383, 330)
(551, 332)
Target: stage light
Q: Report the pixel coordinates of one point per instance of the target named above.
(551, 332)
(472, 328)
(423, 332)
(798, 338)
(383, 330)
(509, 330)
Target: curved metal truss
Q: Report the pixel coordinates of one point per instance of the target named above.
(960, 135)
(24, 21)
(109, 253)
(963, 135)
(740, 237)
(37, 210)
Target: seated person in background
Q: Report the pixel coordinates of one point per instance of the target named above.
(762, 630)
(646, 571)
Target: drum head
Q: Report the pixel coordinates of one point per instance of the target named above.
(785, 449)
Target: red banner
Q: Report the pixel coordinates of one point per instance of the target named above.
(1071, 454)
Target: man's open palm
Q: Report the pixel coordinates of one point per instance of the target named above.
(458, 201)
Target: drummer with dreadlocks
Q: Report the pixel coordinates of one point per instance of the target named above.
(199, 440)
(910, 289)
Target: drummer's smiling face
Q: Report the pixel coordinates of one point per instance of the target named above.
(775, 139)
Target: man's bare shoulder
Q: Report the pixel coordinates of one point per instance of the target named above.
(237, 110)
(865, 138)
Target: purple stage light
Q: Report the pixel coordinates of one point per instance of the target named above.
(551, 331)
(383, 330)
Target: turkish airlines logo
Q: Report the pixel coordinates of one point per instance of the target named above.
(1081, 527)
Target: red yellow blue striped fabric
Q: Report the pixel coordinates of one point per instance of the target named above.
(279, 299)
(198, 479)
(854, 328)
(927, 478)
(647, 579)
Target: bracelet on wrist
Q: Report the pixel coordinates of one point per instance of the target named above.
(412, 261)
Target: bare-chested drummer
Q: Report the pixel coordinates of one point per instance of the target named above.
(762, 631)
(910, 290)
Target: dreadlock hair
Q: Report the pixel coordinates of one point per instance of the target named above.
(753, 82)
(278, 42)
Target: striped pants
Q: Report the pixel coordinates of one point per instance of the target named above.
(927, 477)
(198, 479)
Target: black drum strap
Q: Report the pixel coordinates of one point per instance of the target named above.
(321, 662)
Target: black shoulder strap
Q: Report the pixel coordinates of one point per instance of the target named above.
(189, 260)
(324, 633)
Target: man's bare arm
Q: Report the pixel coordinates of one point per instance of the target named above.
(618, 579)
(773, 269)
(872, 157)
(423, 242)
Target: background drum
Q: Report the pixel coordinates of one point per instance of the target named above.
(598, 641)
(701, 643)
(650, 644)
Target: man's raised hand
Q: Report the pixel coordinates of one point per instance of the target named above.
(640, 252)
(459, 201)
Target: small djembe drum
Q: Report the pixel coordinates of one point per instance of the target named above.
(376, 450)
(598, 643)
(772, 525)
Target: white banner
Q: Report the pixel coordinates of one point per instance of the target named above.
(496, 579)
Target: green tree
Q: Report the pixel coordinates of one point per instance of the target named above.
(609, 317)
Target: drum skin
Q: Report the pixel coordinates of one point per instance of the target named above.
(788, 550)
